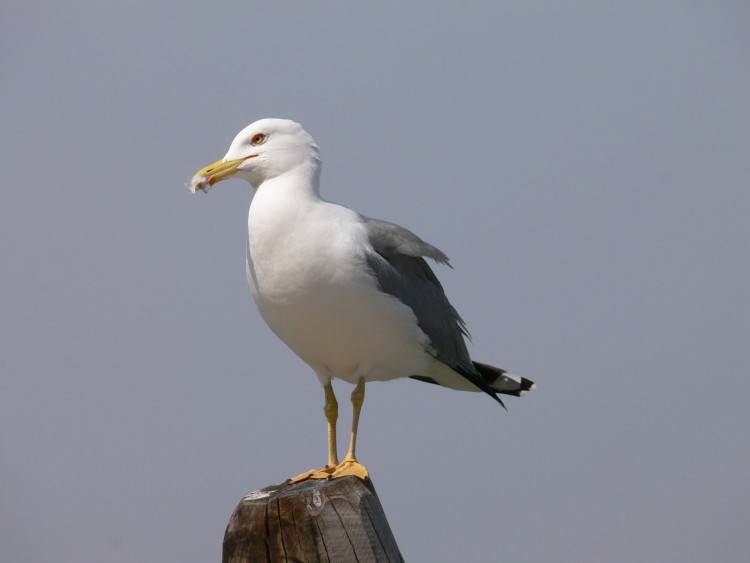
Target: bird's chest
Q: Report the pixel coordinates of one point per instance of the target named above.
(312, 285)
(290, 261)
(302, 263)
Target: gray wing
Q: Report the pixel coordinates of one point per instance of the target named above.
(389, 239)
(401, 271)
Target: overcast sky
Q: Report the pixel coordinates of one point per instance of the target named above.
(586, 166)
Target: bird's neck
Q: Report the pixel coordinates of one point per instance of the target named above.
(278, 219)
(285, 200)
(302, 181)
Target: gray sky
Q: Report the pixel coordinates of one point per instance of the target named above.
(585, 166)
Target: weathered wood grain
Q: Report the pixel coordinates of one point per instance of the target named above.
(337, 521)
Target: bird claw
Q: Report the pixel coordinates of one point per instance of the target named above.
(314, 474)
(343, 469)
(351, 467)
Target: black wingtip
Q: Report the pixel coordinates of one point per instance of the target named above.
(499, 400)
(486, 388)
(503, 382)
(479, 381)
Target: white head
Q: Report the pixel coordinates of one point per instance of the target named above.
(261, 151)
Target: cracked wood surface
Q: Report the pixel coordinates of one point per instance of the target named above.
(334, 521)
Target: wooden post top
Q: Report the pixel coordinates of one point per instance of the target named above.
(337, 521)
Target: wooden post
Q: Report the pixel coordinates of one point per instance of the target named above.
(336, 521)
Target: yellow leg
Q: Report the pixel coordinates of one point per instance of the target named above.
(358, 397)
(350, 465)
(331, 410)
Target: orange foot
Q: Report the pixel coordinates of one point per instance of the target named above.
(346, 467)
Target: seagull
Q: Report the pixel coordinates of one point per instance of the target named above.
(352, 296)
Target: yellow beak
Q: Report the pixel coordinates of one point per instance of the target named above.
(216, 172)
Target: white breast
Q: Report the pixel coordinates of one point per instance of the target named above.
(307, 270)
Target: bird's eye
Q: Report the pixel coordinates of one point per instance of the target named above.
(258, 139)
